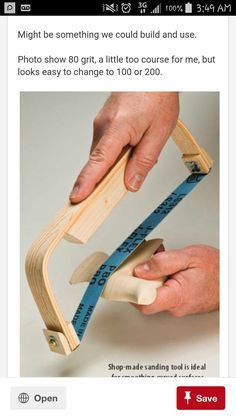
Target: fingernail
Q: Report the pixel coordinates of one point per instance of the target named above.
(75, 192)
(135, 182)
(141, 269)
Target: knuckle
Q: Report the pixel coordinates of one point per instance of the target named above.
(107, 119)
(98, 120)
(146, 161)
(82, 179)
(117, 118)
(98, 156)
(114, 121)
(178, 300)
(119, 125)
(116, 125)
(156, 262)
(113, 133)
(195, 261)
(153, 265)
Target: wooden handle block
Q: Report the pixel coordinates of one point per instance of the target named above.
(97, 207)
(122, 285)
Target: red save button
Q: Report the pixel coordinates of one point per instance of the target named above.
(201, 398)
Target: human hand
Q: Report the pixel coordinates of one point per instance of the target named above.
(143, 120)
(193, 284)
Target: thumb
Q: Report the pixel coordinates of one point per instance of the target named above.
(163, 264)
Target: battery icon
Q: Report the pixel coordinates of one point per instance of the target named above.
(188, 8)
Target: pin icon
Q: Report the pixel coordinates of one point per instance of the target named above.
(187, 396)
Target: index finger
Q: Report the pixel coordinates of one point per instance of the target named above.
(100, 160)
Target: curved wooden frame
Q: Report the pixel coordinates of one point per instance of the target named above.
(77, 223)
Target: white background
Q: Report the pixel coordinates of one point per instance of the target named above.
(209, 81)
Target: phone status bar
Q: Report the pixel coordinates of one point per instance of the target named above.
(150, 8)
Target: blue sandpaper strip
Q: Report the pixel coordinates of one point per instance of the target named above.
(99, 280)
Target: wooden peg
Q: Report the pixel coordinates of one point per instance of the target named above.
(122, 285)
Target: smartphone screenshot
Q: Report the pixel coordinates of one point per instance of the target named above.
(117, 211)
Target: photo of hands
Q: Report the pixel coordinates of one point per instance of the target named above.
(159, 314)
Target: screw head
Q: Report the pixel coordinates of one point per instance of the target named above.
(52, 342)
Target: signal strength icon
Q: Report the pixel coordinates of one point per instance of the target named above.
(157, 9)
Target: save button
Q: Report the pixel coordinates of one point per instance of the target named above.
(200, 398)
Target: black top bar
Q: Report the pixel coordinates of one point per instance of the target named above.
(117, 8)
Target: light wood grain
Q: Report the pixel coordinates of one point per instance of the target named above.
(87, 269)
(122, 285)
(192, 152)
(79, 222)
(38, 255)
(98, 206)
